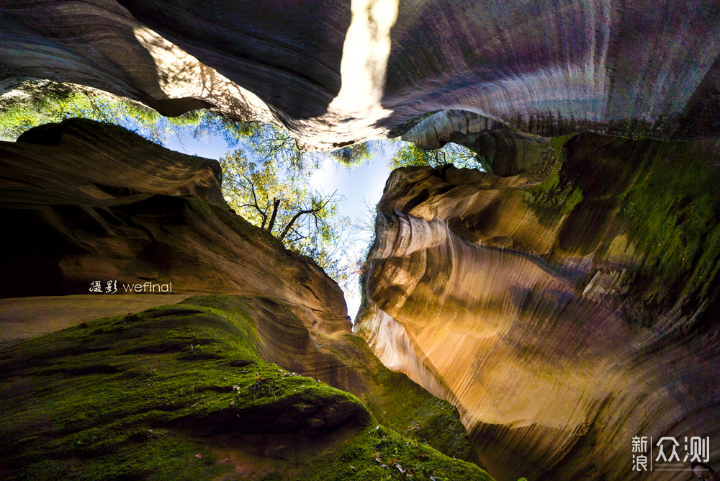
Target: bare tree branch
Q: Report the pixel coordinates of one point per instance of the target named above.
(292, 221)
(303, 212)
(252, 189)
(264, 214)
(276, 204)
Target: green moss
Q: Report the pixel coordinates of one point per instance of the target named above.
(666, 197)
(672, 214)
(404, 406)
(96, 391)
(556, 196)
(272, 477)
(358, 460)
(159, 456)
(139, 396)
(442, 430)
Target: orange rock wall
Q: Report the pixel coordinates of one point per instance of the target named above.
(537, 329)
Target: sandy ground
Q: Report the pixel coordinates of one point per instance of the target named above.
(26, 317)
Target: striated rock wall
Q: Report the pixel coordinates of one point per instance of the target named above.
(344, 71)
(98, 43)
(577, 294)
(564, 310)
(83, 201)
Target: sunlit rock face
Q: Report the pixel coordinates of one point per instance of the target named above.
(90, 202)
(563, 310)
(341, 71)
(83, 201)
(99, 44)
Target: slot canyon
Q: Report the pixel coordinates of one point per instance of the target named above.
(534, 317)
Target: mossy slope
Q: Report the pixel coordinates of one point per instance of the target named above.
(665, 196)
(404, 406)
(146, 396)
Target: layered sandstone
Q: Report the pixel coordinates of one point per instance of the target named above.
(91, 202)
(99, 44)
(85, 202)
(337, 72)
(555, 308)
(564, 307)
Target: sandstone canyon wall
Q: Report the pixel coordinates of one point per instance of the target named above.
(564, 305)
(95, 202)
(564, 310)
(244, 377)
(341, 71)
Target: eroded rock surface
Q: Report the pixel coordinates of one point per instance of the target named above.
(341, 71)
(500, 150)
(98, 43)
(189, 391)
(88, 202)
(564, 310)
(84, 201)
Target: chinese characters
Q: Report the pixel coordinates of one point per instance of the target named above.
(110, 288)
(668, 454)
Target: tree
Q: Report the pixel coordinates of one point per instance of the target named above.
(40, 102)
(353, 155)
(280, 201)
(265, 140)
(410, 155)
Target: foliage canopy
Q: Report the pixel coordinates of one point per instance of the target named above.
(36, 103)
(410, 155)
(279, 199)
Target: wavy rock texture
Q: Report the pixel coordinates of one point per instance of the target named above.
(576, 295)
(564, 310)
(85, 201)
(100, 44)
(190, 391)
(341, 71)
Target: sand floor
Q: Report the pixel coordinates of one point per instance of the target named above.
(27, 317)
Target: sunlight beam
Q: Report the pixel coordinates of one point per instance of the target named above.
(365, 56)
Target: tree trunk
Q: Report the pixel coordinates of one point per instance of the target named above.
(276, 204)
(292, 221)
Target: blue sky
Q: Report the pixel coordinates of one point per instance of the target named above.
(359, 186)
